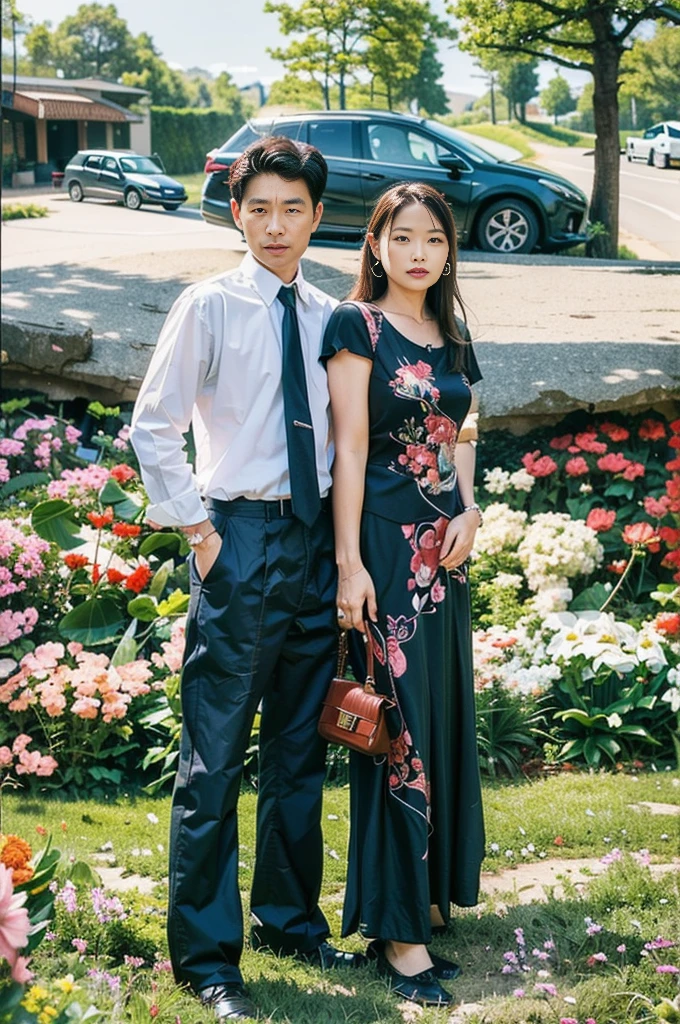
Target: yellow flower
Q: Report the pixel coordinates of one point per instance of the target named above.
(66, 984)
(48, 1015)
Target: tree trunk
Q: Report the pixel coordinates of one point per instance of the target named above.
(341, 86)
(326, 93)
(604, 203)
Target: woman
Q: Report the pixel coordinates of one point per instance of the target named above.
(399, 372)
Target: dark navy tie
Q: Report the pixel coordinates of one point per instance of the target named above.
(304, 482)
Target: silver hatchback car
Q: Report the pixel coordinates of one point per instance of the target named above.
(132, 179)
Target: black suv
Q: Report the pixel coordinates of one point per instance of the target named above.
(498, 206)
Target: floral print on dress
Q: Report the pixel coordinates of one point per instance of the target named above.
(429, 441)
(373, 319)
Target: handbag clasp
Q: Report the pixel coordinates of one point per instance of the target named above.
(347, 721)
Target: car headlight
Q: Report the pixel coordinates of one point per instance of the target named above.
(562, 190)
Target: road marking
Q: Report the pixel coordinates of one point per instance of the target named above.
(652, 206)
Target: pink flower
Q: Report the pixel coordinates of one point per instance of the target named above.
(47, 766)
(614, 462)
(519, 993)
(20, 972)
(538, 465)
(72, 434)
(396, 657)
(546, 987)
(587, 442)
(601, 519)
(633, 471)
(576, 467)
(437, 591)
(667, 969)
(85, 707)
(14, 922)
(21, 742)
(568, 1020)
(5, 756)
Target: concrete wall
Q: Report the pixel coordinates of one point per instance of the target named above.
(140, 136)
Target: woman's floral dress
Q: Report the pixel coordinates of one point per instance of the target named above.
(417, 833)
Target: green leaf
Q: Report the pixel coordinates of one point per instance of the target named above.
(647, 702)
(18, 483)
(100, 411)
(123, 505)
(155, 541)
(125, 652)
(143, 608)
(620, 489)
(176, 604)
(160, 578)
(55, 521)
(579, 507)
(591, 599)
(95, 621)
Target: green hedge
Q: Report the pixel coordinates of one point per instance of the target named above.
(183, 137)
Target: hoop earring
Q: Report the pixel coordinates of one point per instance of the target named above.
(447, 269)
(373, 270)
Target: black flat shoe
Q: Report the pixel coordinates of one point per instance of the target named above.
(327, 957)
(229, 1001)
(444, 970)
(423, 988)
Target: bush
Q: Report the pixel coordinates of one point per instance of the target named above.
(23, 211)
(183, 137)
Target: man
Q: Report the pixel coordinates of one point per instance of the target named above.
(238, 358)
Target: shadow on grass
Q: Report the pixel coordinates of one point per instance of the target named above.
(288, 1001)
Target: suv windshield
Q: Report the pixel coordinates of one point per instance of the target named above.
(139, 165)
(470, 149)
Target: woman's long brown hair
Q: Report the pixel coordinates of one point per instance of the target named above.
(443, 297)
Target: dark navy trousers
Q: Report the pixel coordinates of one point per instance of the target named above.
(261, 627)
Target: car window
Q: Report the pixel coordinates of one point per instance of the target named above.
(109, 164)
(139, 165)
(673, 132)
(93, 162)
(291, 129)
(652, 133)
(243, 137)
(394, 144)
(332, 138)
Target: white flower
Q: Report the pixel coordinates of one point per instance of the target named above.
(586, 488)
(649, 650)
(672, 697)
(521, 480)
(510, 580)
(152, 818)
(502, 529)
(557, 548)
(496, 480)
(551, 599)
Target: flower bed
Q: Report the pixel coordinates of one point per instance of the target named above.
(580, 520)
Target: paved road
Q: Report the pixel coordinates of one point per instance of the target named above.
(650, 197)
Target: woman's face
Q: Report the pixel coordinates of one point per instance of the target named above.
(414, 250)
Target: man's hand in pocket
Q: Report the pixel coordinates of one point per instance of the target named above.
(206, 554)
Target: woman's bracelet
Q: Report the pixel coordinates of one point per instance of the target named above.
(344, 579)
(474, 507)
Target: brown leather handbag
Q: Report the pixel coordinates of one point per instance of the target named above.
(353, 714)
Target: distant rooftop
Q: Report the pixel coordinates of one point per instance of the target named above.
(99, 84)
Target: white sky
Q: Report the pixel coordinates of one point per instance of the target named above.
(234, 35)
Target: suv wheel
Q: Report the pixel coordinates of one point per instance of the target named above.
(133, 200)
(508, 226)
(650, 158)
(75, 191)
(661, 160)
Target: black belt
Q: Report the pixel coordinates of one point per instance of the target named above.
(281, 508)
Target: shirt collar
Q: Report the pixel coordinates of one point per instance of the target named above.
(268, 284)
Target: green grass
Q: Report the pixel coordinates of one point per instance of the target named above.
(193, 183)
(501, 133)
(23, 211)
(545, 809)
(583, 809)
(625, 132)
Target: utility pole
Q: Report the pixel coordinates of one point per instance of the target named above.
(490, 78)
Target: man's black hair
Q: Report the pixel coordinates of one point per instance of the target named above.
(277, 154)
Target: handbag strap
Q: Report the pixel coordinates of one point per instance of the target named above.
(369, 683)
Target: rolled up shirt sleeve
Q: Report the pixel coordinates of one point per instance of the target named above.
(163, 412)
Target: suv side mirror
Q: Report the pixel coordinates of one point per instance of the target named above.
(452, 162)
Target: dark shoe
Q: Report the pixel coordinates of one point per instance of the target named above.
(444, 970)
(423, 988)
(229, 1001)
(327, 957)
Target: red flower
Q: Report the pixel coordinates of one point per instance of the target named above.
(670, 536)
(114, 576)
(674, 442)
(641, 535)
(675, 426)
(100, 521)
(74, 561)
(674, 465)
(615, 462)
(122, 473)
(538, 465)
(668, 623)
(614, 432)
(652, 430)
(139, 579)
(41, 830)
(126, 530)
(601, 519)
(633, 471)
(619, 567)
(672, 560)
(440, 429)
(96, 574)
(558, 841)
(560, 444)
(576, 467)
(588, 442)
(656, 507)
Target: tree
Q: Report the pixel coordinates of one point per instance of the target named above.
(590, 35)
(518, 79)
(556, 98)
(93, 43)
(425, 86)
(652, 73)
(40, 48)
(293, 91)
(148, 70)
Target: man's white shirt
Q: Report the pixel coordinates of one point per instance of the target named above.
(217, 365)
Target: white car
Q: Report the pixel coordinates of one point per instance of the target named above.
(658, 146)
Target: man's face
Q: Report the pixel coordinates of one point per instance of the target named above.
(278, 218)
